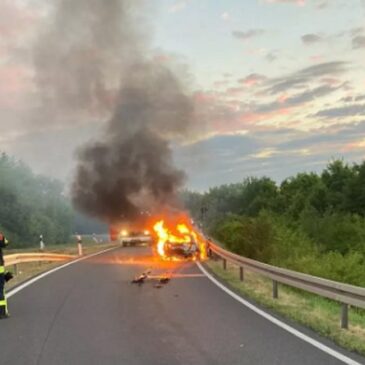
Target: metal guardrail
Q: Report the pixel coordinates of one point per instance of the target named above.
(20, 258)
(344, 293)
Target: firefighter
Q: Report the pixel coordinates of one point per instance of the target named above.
(3, 277)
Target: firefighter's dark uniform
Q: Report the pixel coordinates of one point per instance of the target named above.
(3, 304)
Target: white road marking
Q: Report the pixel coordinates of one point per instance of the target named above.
(41, 276)
(279, 323)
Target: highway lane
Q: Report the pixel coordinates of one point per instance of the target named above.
(90, 313)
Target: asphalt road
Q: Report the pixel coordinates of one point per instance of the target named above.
(90, 313)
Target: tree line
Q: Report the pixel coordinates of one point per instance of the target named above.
(314, 223)
(31, 205)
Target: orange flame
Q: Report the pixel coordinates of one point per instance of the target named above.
(181, 233)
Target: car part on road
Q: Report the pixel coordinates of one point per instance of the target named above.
(164, 279)
(140, 279)
(161, 280)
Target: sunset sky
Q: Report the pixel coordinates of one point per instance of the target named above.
(278, 86)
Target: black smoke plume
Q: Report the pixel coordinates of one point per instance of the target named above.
(131, 169)
(90, 45)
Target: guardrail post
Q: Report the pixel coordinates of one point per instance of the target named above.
(345, 316)
(242, 274)
(15, 267)
(275, 293)
(224, 264)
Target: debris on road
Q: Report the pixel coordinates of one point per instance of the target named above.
(164, 280)
(161, 279)
(141, 278)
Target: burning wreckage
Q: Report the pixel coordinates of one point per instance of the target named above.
(172, 239)
(174, 242)
(179, 242)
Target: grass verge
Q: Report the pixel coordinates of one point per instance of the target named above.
(315, 312)
(30, 269)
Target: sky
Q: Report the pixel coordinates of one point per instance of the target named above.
(278, 87)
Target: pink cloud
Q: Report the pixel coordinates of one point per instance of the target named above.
(252, 80)
(234, 91)
(204, 97)
(14, 82)
(247, 120)
(255, 117)
(283, 98)
(353, 146)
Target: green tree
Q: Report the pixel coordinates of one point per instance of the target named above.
(257, 194)
(298, 192)
(337, 176)
(32, 205)
(354, 190)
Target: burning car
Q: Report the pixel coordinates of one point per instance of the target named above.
(178, 241)
(187, 250)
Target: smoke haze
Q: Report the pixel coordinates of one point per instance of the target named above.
(93, 57)
(81, 53)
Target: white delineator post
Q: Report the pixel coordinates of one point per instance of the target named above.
(79, 244)
(41, 243)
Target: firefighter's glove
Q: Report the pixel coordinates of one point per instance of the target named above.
(8, 276)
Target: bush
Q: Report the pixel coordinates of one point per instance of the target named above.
(250, 237)
(269, 239)
(347, 268)
(338, 232)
